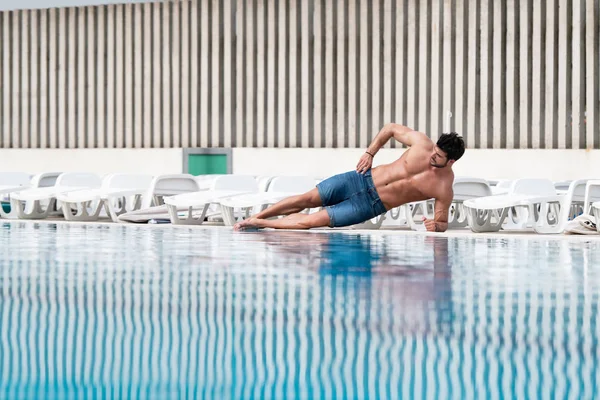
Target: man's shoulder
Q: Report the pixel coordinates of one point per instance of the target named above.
(446, 190)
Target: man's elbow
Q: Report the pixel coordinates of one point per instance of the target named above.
(394, 128)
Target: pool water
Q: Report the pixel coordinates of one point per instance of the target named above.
(99, 311)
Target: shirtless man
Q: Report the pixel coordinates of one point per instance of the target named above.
(423, 172)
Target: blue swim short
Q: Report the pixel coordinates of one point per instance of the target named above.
(350, 198)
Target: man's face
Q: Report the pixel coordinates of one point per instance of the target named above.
(439, 159)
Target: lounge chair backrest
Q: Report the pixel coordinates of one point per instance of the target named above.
(263, 183)
(578, 189)
(243, 183)
(168, 185)
(45, 179)
(127, 181)
(78, 179)
(533, 187)
(562, 185)
(14, 178)
(465, 188)
(292, 184)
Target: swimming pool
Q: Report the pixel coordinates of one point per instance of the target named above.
(163, 312)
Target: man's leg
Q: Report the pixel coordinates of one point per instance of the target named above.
(291, 205)
(293, 221)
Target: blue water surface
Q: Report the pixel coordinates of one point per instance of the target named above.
(99, 311)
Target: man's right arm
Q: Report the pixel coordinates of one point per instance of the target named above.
(401, 133)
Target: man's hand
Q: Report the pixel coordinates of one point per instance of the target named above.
(433, 226)
(364, 164)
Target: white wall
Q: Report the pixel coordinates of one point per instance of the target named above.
(100, 161)
(488, 164)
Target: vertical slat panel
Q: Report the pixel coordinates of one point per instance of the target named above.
(293, 77)
(131, 73)
(364, 89)
(156, 94)
(249, 79)
(448, 65)
(34, 77)
(185, 52)
(329, 78)
(498, 71)
(341, 74)
(317, 67)
(536, 84)
(282, 81)
(52, 78)
(592, 56)
(485, 71)
(460, 78)
(271, 111)
(551, 73)
(472, 95)
(215, 75)
(376, 60)
(511, 78)
(387, 80)
(23, 138)
(400, 62)
(6, 78)
(81, 78)
(411, 72)
(111, 70)
(62, 77)
(563, 64)
(175, 85)
(139, 77)
(240, 77)
(437, 58)
(16, 81)
(260, 76)
(227, 63)
(70, 71)
(39, 112)
(194, 73)
(165, 60)
(148, 77)
(424, 66)
(352, 75)
(578, 134)
(524, 82)
(100, 114)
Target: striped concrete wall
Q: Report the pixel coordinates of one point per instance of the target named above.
(300, 73)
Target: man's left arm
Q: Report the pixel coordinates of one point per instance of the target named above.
(439, 223)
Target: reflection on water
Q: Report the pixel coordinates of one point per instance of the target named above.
(141, 312)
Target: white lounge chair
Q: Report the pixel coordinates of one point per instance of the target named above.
(196, 204)
(241, 206)
(119, 193)
(465, 188)
(10, 182)
(161, 186)
(547, 211)
(591, 202)
(38, 203)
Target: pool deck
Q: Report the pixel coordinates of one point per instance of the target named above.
(525, 234)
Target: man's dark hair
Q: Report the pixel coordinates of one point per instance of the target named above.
(452, 144)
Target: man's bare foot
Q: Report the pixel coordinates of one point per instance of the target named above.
(246, 224)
